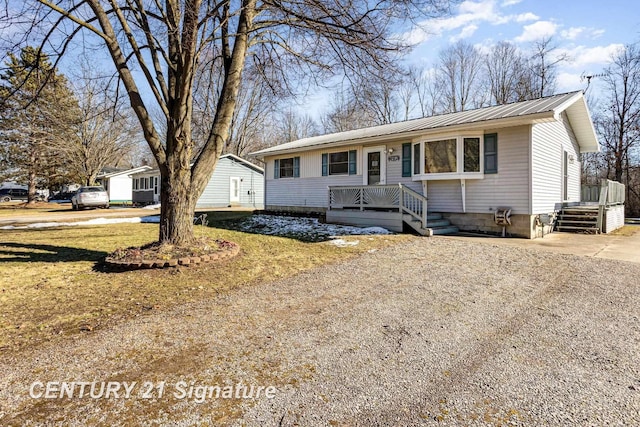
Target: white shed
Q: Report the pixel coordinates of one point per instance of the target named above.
(235, 182)
(118, 183)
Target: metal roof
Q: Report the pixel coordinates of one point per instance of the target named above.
(542, 109)
(233, 157)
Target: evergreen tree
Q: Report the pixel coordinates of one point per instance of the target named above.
(37, 115)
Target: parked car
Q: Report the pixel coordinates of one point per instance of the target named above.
(9, 194)
(90, 196)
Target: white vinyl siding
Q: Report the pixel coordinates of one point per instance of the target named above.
(508, 188)
(549, 142)
(311, 162)
(311, 190)
(217, 191)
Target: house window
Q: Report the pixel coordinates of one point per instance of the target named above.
(406, 159)
(135, 183)
(340, 163)
(440, 156)
(287, 168)
(491, 153)
(471, 154)
(416, 159)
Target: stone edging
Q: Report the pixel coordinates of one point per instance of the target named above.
(222, 254)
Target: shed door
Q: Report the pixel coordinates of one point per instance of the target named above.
(234, 190)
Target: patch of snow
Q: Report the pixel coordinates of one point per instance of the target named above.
(343, 243)
(94, 221)
(156, 206)
(300, 227)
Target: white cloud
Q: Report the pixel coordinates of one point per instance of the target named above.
(506, 3)
(583, 57)
(536, 31)
(567, 82)
(575, 32)
(525, 17)
(470, 15)
(572, 33)
(466, 32)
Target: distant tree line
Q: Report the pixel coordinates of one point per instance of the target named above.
(54, 132)
(463, 78)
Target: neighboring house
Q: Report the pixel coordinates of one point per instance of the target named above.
(234, 182)
(468, 168)
(118, 183)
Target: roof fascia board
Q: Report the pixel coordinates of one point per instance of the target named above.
(410, 135)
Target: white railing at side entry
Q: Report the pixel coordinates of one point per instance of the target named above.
(612, 193)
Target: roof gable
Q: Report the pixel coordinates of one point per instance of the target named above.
(537, 110)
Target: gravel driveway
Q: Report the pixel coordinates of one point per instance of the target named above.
(433, 332)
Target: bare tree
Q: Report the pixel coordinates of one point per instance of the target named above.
(505, 70)
(428, 90)
(542, 70)
(345, 113)
(167, 40)
(105, 134)
(618, 123)
(291, 126)
(460, 74)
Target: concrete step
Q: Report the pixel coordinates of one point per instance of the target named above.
(445, 230)
(432, 216)
(438, 223)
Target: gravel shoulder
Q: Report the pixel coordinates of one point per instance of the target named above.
(433, 332)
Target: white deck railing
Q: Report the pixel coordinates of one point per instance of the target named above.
(370, 197)
(612, 193)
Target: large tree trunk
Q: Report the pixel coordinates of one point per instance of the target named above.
(177, 208)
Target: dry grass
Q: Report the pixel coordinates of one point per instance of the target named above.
(52, 284)
(626, 231)
(22, 208)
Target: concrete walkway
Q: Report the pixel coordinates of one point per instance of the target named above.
(610, 246)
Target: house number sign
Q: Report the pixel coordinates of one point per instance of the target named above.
(394, 158)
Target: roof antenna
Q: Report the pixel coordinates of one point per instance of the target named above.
(588, 78)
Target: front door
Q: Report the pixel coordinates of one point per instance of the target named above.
(234, 190)
(374, 163)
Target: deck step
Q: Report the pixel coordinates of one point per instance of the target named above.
(587, 215)
(577, 228)
(576, 221)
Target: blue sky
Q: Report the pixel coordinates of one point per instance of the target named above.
(589, 31)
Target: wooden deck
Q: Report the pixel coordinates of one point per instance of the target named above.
(387, 206)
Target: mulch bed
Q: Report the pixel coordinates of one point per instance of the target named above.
(157, 255)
